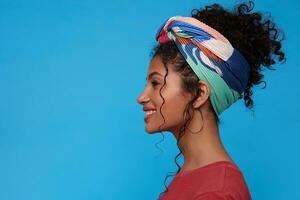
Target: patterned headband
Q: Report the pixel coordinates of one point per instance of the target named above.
(211, 57)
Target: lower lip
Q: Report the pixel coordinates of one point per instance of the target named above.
(147, 118)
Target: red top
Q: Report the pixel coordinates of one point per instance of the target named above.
(221, 180)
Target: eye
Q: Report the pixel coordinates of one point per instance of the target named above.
(154, 83)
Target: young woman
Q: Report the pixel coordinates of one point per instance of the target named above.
(202, 65)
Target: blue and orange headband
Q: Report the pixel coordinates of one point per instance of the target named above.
(211, 57)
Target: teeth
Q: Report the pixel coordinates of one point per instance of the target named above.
(150, 112)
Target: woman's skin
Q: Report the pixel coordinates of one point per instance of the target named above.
(198, 149)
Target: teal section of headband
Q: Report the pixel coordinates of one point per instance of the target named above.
(222, 96)
(218, 87)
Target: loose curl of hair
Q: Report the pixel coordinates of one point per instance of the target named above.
(252, 33)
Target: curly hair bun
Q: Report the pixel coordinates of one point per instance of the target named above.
(252, 33)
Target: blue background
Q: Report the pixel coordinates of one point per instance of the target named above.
(70, 125)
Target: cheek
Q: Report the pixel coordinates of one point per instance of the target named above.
(157, 99)
(173, 108)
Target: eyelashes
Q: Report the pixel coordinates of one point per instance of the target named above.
(154, 83)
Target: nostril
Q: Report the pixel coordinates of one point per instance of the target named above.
(143, 100)
(140, 99)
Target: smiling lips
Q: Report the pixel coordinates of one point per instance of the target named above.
(149, 114)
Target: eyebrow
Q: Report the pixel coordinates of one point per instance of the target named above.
(153, 74)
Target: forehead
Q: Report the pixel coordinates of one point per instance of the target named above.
(156, 65)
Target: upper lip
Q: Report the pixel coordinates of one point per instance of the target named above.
(148, 108)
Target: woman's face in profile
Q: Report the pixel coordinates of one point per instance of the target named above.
(175, 100)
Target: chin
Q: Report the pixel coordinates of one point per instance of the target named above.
(154, 129)
(151, 130)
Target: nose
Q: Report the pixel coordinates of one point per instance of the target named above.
(143, 98)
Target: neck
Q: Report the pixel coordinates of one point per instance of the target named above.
(204, 147)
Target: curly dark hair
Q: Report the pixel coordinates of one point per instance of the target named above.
(255, 36)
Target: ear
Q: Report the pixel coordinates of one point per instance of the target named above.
(203, 94)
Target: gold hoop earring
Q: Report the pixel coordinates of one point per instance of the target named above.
(201, 126)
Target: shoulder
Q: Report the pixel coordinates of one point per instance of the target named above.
(220, 176)
(228, 185)
(217, 195)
